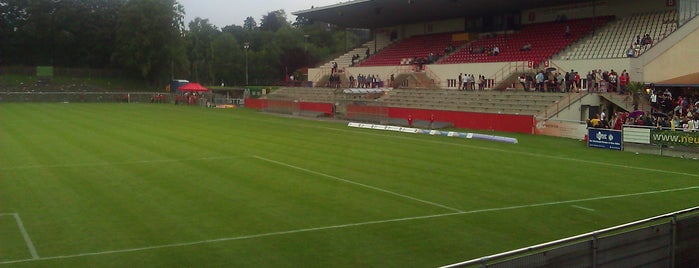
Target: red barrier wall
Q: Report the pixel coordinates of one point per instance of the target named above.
(256, 103)
(470, 120)
(327, 108)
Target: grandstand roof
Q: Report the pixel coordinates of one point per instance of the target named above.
(380, 13)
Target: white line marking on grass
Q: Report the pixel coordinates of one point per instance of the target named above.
(341, 226)
(583, 208)
(356, 183)
(519, 152)
(122, 163)
(25, 235)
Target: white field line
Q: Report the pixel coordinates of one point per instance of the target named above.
(596, 163)
(341, 226)
(27, 240)
(583, 208)
(25, 235)
(357, 183)
(121, 163)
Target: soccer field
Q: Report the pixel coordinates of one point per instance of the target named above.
(95, 185)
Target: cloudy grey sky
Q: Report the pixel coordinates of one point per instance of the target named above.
(226, 12)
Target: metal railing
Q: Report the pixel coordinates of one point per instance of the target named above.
(588, 244)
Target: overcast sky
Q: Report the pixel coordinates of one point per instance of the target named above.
(226, 12)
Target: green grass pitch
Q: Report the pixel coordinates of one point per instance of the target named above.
(101, 185)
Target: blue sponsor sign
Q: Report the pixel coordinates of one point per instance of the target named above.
(604, 138)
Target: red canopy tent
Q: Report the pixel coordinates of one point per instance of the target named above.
(193, 87)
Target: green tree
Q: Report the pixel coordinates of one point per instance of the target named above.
(250, 24)
(201, 35)
(228, 67)
(148, 38)
(274, 21)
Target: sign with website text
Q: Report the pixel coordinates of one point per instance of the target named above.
(675, 138)
(604, 138)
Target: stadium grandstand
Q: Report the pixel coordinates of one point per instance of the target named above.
(538, 67)
(488, 60)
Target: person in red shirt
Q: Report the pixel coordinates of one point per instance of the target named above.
(410, 120)
(577, 82)
(623, 82)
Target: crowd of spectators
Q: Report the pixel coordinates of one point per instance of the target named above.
(552, 80)
(681, 114)
(367, 81)
(469, 82)
(638, 44)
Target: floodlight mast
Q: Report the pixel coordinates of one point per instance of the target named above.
(246, 46)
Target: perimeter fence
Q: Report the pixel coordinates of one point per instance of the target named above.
(670, 240)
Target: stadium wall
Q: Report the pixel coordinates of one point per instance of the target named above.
(468, 120)
(664, 63)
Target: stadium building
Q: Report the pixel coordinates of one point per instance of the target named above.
(422, 52)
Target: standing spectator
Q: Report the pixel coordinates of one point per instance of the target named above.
(598, 79)
(522, 81)
(560, 82)
(590, 81)
(464, 81)
(653, 100)
(576, 84)
(567, 34)
(613, 80)
(624, 82)
(368, 52)
(461, 81)
(540, 81)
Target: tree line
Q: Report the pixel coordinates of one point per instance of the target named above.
(148, 39)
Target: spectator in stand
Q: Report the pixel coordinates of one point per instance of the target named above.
(481, 82)
(551, 82)
(464, 81)
(675, 123)
(460, 81)
(613, 80)
(695, 123)
(540, 81)
(595, 121)
(567, 33)
(529, 80)
(368, 52)
(619, 121)
(598, 79)
(646, 41)
(590, 81)
(631, 52)
(560, 82)
(624, 81)
(496, 50)
(576, 83)
(522, 81)
(526, 47)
